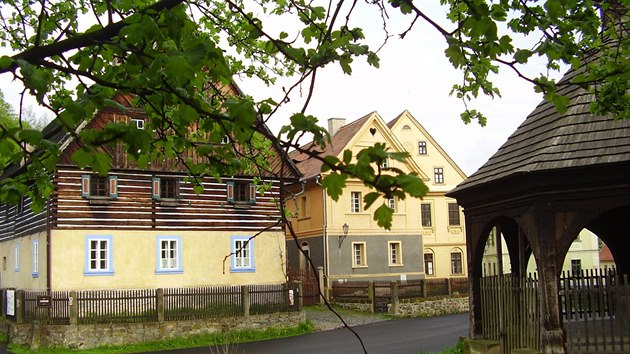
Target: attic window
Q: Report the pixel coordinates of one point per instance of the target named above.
(165, 188)
(138, 122)
(239, 192)
(406, 127)
(99, 187)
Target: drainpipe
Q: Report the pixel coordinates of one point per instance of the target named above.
(48, 244)
(324, 234)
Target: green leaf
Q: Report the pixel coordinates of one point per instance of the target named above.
(370, 198)
(334, 184)
(383, 217)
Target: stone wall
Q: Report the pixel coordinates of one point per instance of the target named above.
(433, 307)
(419, 307)
(91, 336)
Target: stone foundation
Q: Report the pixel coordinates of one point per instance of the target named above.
(433, 307)
(92, 336)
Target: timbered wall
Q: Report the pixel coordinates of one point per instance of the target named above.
(17, 221)
(134, 207)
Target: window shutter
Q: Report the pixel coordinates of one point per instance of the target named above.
(85, 185)
(155, 183)
(252, 193)
(113, 186)
(230, 191)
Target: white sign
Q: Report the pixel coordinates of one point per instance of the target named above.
(11, 302)
(291, 297)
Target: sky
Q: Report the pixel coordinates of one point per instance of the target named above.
(414, 75)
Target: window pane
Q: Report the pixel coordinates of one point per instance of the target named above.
(453, 214)
(425, 213)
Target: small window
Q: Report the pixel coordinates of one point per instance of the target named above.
(358, 254)
(16, 257)
(422, 147)
(169, 258)
(428, 264)
(456, 263)
(95, 185)
(355, 202)
(385, 163)
(438, 174)
(453, 214)
(98, 258)
(425, 214)
(165, 188)
(303, 207)
(225, 140)
(35, 264)
(576, 266)
(138, 122)
(395, 254)
(391, 203)
(241, 192)
(242, 254)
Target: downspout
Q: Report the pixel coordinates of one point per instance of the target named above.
(48, 245)
(324, 233)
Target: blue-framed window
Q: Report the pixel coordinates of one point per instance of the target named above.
(16, 257)
(169, 254)
(98, 255)
(242, 254)
(35, 263)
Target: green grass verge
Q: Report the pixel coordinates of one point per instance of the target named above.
(206, 340)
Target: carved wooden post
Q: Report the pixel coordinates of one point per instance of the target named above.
(322, 288)
(298, 295)
(19, 306)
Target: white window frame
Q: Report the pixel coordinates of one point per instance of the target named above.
(101, 240)
(242, 263)
(394, 251)
(35, 261)
(361, 261)
(422, 147)
(138, 122)
(355, 202)
(173, 262)
(461, 262)
(438, 175)
(429, 267)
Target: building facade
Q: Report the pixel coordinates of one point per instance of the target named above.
(142, 228)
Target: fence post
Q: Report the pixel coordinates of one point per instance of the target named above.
(322, 289)
(394, 295)
(19, 306)
(245, 299)
(298, 295)
(372, 295)
(159, 304)
(3, 302)
(73, 305)
(423, 288)
(449, 286)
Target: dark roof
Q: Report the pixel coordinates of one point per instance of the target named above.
(310, 167)
(548, 140)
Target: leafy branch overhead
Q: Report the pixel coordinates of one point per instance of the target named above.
(172, 60)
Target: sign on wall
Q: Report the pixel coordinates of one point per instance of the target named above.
(10, 302)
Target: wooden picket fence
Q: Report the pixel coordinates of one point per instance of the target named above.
(595, 307)
(509, 311)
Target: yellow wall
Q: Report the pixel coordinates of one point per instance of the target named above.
(24, 278)
(134, 260)
(308, 222)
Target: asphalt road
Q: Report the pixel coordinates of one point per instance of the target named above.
(406, 336)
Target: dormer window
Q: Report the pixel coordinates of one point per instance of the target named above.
(138, 122)
(241, 192)
(225, 140)
(95, 186)
(165, 188)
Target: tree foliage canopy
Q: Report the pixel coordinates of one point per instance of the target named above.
(174, 57)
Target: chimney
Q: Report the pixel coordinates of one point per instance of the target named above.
(334, 124)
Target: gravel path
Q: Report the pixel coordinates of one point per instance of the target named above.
(324, 319)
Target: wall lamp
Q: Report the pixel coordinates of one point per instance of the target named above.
(345, 229)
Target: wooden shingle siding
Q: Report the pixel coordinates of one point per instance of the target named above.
(134, 207)
(14, 224)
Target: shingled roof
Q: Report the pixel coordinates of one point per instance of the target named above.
(310, 167)
(548, 140)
